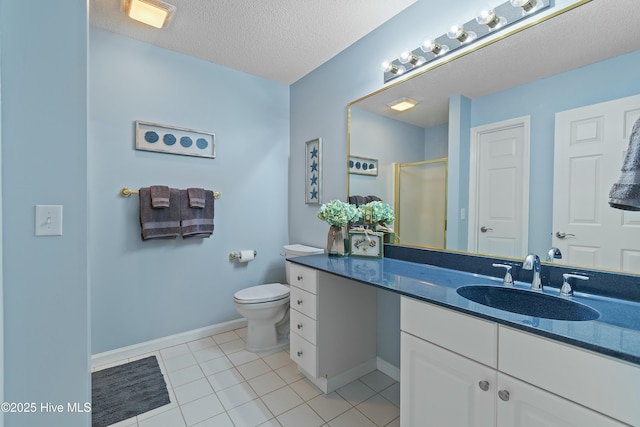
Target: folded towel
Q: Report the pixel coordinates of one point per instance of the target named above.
(196, 222)
(159, 223)
(625, 194)
(159, 196)
(196, 197)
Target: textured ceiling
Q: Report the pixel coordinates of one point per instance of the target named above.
(281, 40)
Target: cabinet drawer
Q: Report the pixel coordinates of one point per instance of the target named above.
(603, 384)
(303, 301)
(303, 353)
(475, 338)
(303, 326)
(304, 278)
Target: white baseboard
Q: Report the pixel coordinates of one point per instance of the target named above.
(388, 369)
(160, 343)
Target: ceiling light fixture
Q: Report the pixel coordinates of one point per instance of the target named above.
(490, 21)
(155, 13)
(402, 104)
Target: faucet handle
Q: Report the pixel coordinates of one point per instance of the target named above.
(508, 279)
(566, 290)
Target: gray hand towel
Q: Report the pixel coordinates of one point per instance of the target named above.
(196, 197)
(159, 196)
(625, 194)
(196, 222)
(159, 223)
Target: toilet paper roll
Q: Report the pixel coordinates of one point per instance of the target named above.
(246, 256)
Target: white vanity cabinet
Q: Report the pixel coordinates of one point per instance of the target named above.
(333, 333)
(458, 370)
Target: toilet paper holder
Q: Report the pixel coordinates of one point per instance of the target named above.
(236, 255)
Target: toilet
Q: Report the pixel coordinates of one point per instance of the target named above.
(266, 308)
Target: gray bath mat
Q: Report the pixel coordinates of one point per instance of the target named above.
(127, 390)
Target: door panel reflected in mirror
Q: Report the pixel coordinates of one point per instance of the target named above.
(580, 74)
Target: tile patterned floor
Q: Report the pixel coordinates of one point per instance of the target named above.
(215, 382)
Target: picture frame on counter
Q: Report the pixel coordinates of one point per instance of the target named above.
(366, 244)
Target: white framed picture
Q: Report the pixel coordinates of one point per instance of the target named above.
(174, 140)
(313, 171)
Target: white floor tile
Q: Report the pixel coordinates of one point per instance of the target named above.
(352, 418)
(329, 406)
(241, 357)
(201, 343)
(223, 379)
(225, 337)
(251, 414)
(177, 350)
(192, 391)
(305, 389)
(379, 410)
(300, 416)
(221, 420)
(266, 383)
(201, 409)
(172, 418)
(394, 423)
(232, 346)
(277, 360)
(216, 365)
(392, 394)
(236, 395)
(356, 392)
(180, 362)
(281, 400)
(271, 423)
(289, 373)
(253, 369)
(377, 380)
(185, 375)
(208, 353)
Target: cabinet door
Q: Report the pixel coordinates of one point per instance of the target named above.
(441, 388)
(529, 406)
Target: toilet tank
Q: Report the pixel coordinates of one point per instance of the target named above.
(291, 251)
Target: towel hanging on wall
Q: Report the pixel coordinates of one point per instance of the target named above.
(159, 223)
(625, 194)
(196, 222)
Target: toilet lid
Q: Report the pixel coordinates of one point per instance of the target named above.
(262, 293)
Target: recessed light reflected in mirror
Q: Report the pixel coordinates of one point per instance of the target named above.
(155, 13)
(402, 104)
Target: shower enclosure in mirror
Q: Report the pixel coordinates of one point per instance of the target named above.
(580, 56)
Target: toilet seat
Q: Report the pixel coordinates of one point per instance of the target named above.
(262, 293)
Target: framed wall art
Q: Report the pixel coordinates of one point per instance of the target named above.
(174, 140)
(313, 171)
(363, 166)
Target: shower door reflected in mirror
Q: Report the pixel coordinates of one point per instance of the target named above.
(421, 203)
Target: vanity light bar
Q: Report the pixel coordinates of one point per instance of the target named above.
(487, 22)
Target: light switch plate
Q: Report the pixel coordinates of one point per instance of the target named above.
(48, 220)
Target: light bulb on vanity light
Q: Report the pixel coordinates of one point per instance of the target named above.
(458, 32)
(527, 6)
(491, 20)
(390, 67)
(407, 57)
(434, 47)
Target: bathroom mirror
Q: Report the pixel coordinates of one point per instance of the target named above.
(579, 53)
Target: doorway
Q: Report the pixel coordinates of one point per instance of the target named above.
(499, 188)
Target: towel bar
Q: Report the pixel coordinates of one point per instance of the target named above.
(125, 192)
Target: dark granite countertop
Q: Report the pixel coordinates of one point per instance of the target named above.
(615, 333)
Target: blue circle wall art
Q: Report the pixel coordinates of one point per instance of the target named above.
(151, 136)
(174, 140)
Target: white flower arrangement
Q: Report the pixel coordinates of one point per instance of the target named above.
(338, 213)
(380, 212)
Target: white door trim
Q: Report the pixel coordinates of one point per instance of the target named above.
(476, 133)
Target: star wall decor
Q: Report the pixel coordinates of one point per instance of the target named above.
(313, 171)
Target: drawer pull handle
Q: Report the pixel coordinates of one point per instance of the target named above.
(299, 302)
(299, 353)
(299, 325)
(299, 277)
(504, 395)
(484, 385)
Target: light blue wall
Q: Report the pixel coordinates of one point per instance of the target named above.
(387, 140)
(600, 82)
(44, 152)
(146, 290)
(436, 142)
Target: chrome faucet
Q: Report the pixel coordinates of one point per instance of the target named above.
(554, 253)
(566, 290)
(532, 262)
